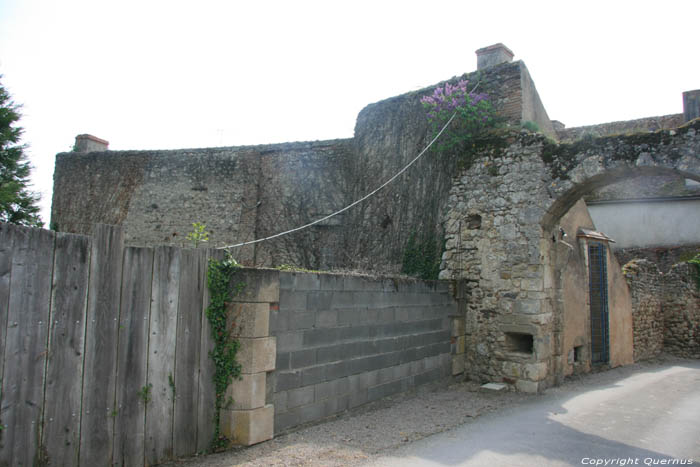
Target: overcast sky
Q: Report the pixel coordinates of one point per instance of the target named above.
(152, 74)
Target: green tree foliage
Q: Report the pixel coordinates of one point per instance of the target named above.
(18, 205)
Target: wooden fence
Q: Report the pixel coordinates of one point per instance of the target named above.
(104, 350)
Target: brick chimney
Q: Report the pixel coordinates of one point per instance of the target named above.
(493, 55)
(89, 143)
(691, 105)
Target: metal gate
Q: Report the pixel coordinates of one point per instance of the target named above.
(600, 337)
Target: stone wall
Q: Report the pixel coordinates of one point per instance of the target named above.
(641, 125)
(663, 257)
(646, 288)
(681, 308)
(240, 193)
(343, 341)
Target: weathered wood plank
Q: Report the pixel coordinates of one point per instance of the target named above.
(207, 396)
(102, 323)
(25, 346)
(161, 354)
(64, 376)
(134, 319)
(189, 329)
(5, 268)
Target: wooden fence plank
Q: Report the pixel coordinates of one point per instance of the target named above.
(25, 346)
(5, 268)
(97, 423)
(189, 329)
(134, 319)
(64, 376)
(207, 396)
(161, 354)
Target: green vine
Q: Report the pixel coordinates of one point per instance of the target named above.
(226, 346)
(695, 261)
(422, 258)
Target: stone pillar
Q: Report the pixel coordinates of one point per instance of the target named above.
(89, 143)
(250, 419)
(493, 55)
(691, 105)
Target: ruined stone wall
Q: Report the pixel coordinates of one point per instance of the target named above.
(641, 125)
(493, 241)
(240, 193)
(663, 257)
(681, 309)
(646, 288)
(389, 134)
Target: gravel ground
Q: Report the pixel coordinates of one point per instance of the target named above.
(358, 436)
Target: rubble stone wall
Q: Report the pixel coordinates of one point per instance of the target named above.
(646, 288)
(681, 309)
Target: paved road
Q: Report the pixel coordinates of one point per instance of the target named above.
(645, 419)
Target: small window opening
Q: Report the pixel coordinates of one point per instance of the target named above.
(518, 342)
(578, 353)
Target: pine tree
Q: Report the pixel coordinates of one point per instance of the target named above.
(18, 205)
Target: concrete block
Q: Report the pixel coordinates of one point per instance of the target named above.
(287, 280)
(358, 398)
(458, 327)
(326, 318)
(257, 354)
(353, 332)
(282, 361)
(308, 281)
(331, 282)
(287, 380)
(248, 427)
(300, 396)
(302, 358)
(319, 300)
(383, 390)
(300, 320)
(318, 337)
(288, 341)
(292, 300)
(279, 322)
(286, 420)
(249, 319)
(279, 400)
(313, 375)
(248, 392)
(338, 370)
(259, 285)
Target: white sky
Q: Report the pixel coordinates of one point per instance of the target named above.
(160, 74)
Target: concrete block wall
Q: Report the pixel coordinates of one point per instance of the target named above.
(343, 341)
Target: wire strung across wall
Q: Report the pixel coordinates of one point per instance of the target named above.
(355, 203)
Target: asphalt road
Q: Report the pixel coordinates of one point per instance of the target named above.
(649, 418)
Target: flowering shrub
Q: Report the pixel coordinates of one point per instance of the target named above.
(473, 113)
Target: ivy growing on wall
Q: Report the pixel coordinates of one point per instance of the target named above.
(422, 257)
(219, 275)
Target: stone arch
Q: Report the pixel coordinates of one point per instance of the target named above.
(568, 198)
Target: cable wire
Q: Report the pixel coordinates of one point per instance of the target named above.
(355, 203)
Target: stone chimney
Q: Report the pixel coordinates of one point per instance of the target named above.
(493, 55)
(89, 143)
(691, 105)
